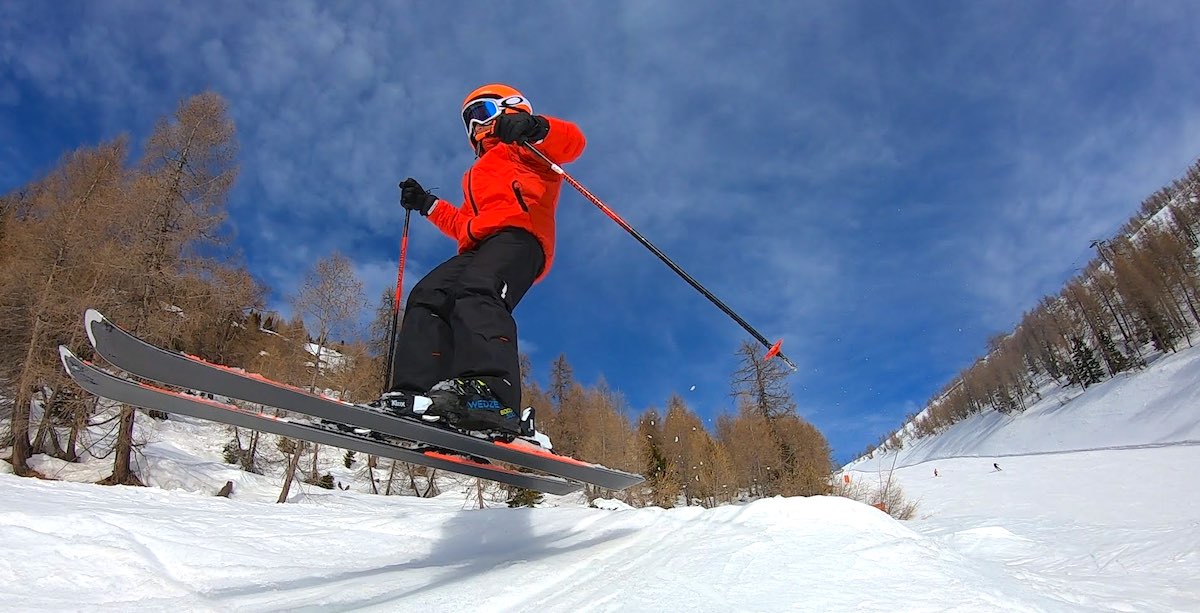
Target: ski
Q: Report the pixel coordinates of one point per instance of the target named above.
(143, 359)
(101, 383)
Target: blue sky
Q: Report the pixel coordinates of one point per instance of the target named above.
(883, 185)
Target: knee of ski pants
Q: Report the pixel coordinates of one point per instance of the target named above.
(485, 286)
(504, 269)
(433, 296)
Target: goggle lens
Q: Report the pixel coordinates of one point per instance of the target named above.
(481, 111)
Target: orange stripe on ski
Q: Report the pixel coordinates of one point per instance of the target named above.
(541, 452)
(461, 460)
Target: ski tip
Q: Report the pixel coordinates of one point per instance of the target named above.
(89, 317)
(65, 355)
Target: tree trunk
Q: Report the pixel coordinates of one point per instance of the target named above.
(314, 475)
(431, 488)
(19, 421)
(391, 474)
(122, 473)
(371, 473)
(412, 478)
(1126, 336)
(291, 472)
(46, 439)
(252, 453)
(82, 410)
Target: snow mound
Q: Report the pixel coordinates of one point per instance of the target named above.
(610, 504)
(138, 549)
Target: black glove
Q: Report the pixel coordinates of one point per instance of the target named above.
(521, 128)
(414, 197)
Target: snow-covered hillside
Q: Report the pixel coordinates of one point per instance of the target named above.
(1156, 406)
(1112, 528)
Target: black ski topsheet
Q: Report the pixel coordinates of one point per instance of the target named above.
(143, 359)
(103, 384)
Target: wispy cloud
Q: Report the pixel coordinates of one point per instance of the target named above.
(882, 186)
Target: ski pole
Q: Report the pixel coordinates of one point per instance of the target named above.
(394, 328)
(772, 350)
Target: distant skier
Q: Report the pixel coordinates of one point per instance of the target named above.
(458, 341)
(996, 466)
(935, 472)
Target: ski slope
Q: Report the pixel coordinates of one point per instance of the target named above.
(1094, 509)
(1152, 407)
(132, 549)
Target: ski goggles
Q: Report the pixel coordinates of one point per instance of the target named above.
(484, 110)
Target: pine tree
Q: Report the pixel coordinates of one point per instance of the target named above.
(1086, 366)
(525, 498)
(1050, 358)
(661, 478)
(1115, 359)
(562, 378)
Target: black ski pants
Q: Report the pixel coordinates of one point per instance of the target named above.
(458, 321)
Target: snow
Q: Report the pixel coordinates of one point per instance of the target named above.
(135, 549)
(1152, 407)
(1093, 510)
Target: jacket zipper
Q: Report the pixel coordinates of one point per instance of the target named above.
(516, 187)
(471, 193)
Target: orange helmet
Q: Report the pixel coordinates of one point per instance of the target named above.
(487, 103)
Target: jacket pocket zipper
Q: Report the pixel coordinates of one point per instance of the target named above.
(516, 187)
(471, 193)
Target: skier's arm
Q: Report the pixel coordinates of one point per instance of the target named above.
(564, 142)
(449, 219)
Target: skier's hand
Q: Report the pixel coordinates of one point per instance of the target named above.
(521, 128)
(414, 197)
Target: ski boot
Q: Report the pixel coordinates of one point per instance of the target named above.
(469, 405)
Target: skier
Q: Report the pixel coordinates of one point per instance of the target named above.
(458, 340)
(996, 465)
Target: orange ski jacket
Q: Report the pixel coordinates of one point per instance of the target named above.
(510, 187)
